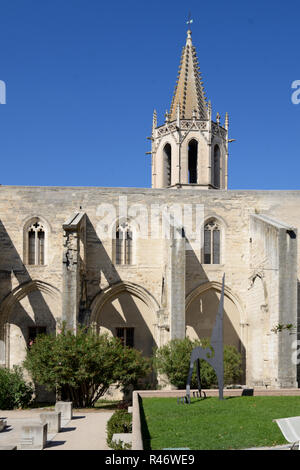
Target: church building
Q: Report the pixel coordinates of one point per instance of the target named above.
(146, 264)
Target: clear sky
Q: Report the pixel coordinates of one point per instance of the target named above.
(83, 78)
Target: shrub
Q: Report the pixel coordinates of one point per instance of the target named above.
(173, 360)
(81, 367)
(15, 392)
(120, 422)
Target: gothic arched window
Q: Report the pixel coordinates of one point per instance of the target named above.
(123, 244)
(193, 160)
(212, 243)
(35, 241)
(167, 155)
(216, 167)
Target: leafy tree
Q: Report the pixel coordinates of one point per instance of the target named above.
(15, 392)
(81, 367)
(173, 360)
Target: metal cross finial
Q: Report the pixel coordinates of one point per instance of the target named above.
(189, 21)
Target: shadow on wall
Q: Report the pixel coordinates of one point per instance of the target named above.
(202, 311)
(125, 310)
(12, 312)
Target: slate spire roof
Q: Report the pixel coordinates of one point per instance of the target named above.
(189, 92)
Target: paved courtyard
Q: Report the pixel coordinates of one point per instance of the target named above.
(86, 431)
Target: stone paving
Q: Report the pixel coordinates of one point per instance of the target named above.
(282, 447)
(86, 431)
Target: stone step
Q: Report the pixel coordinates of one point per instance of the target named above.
(3, 424)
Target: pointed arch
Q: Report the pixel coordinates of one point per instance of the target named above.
(124, 234)
(213, 241)
(12, 301)
(21, 291)
(127, 311)
(217, 286)
(201, 310)
(36, 231)
(112, 291)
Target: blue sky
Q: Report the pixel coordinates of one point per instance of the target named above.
(83, 78)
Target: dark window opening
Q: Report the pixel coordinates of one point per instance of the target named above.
(207, 246)
(291, 233)
(41, 246)
(33, 331)
(119, 246)
(124, 244)
(126, 335)
(212, 243)
(167, 164)
(193, 161)
(128, 246)
(36, 244)
(216, 247)
(216, 167)
(31, 247)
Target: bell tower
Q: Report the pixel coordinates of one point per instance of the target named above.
(189, 150)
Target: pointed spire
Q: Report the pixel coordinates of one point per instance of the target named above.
(189, 91)
(154, 120)
(167, 117)
(209, 110)
(226, 121)
(178, 115)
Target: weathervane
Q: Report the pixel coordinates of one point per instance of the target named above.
(189, 21)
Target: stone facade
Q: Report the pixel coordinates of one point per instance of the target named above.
(259, 258)
(64, 255)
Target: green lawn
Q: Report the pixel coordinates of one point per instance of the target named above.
(234, 423)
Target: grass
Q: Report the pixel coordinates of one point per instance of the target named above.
(234, 423)
(38, 404)
(106, 404)
(102, 404)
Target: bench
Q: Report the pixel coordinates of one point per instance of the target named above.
(290, 428)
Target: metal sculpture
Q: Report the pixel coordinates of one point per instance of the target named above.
(216, 360)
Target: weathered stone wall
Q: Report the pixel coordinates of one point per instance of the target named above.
(271, 301)
(231, 208)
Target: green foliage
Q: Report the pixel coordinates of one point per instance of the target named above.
(81, 367)
(130, 367)
(14, 391)
(120, 422)
(281, 326)
(232, 365)
(173, 360)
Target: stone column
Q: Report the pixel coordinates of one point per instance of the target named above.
(176, 283)
(72, 270)
(70, 279)
(287, 305)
